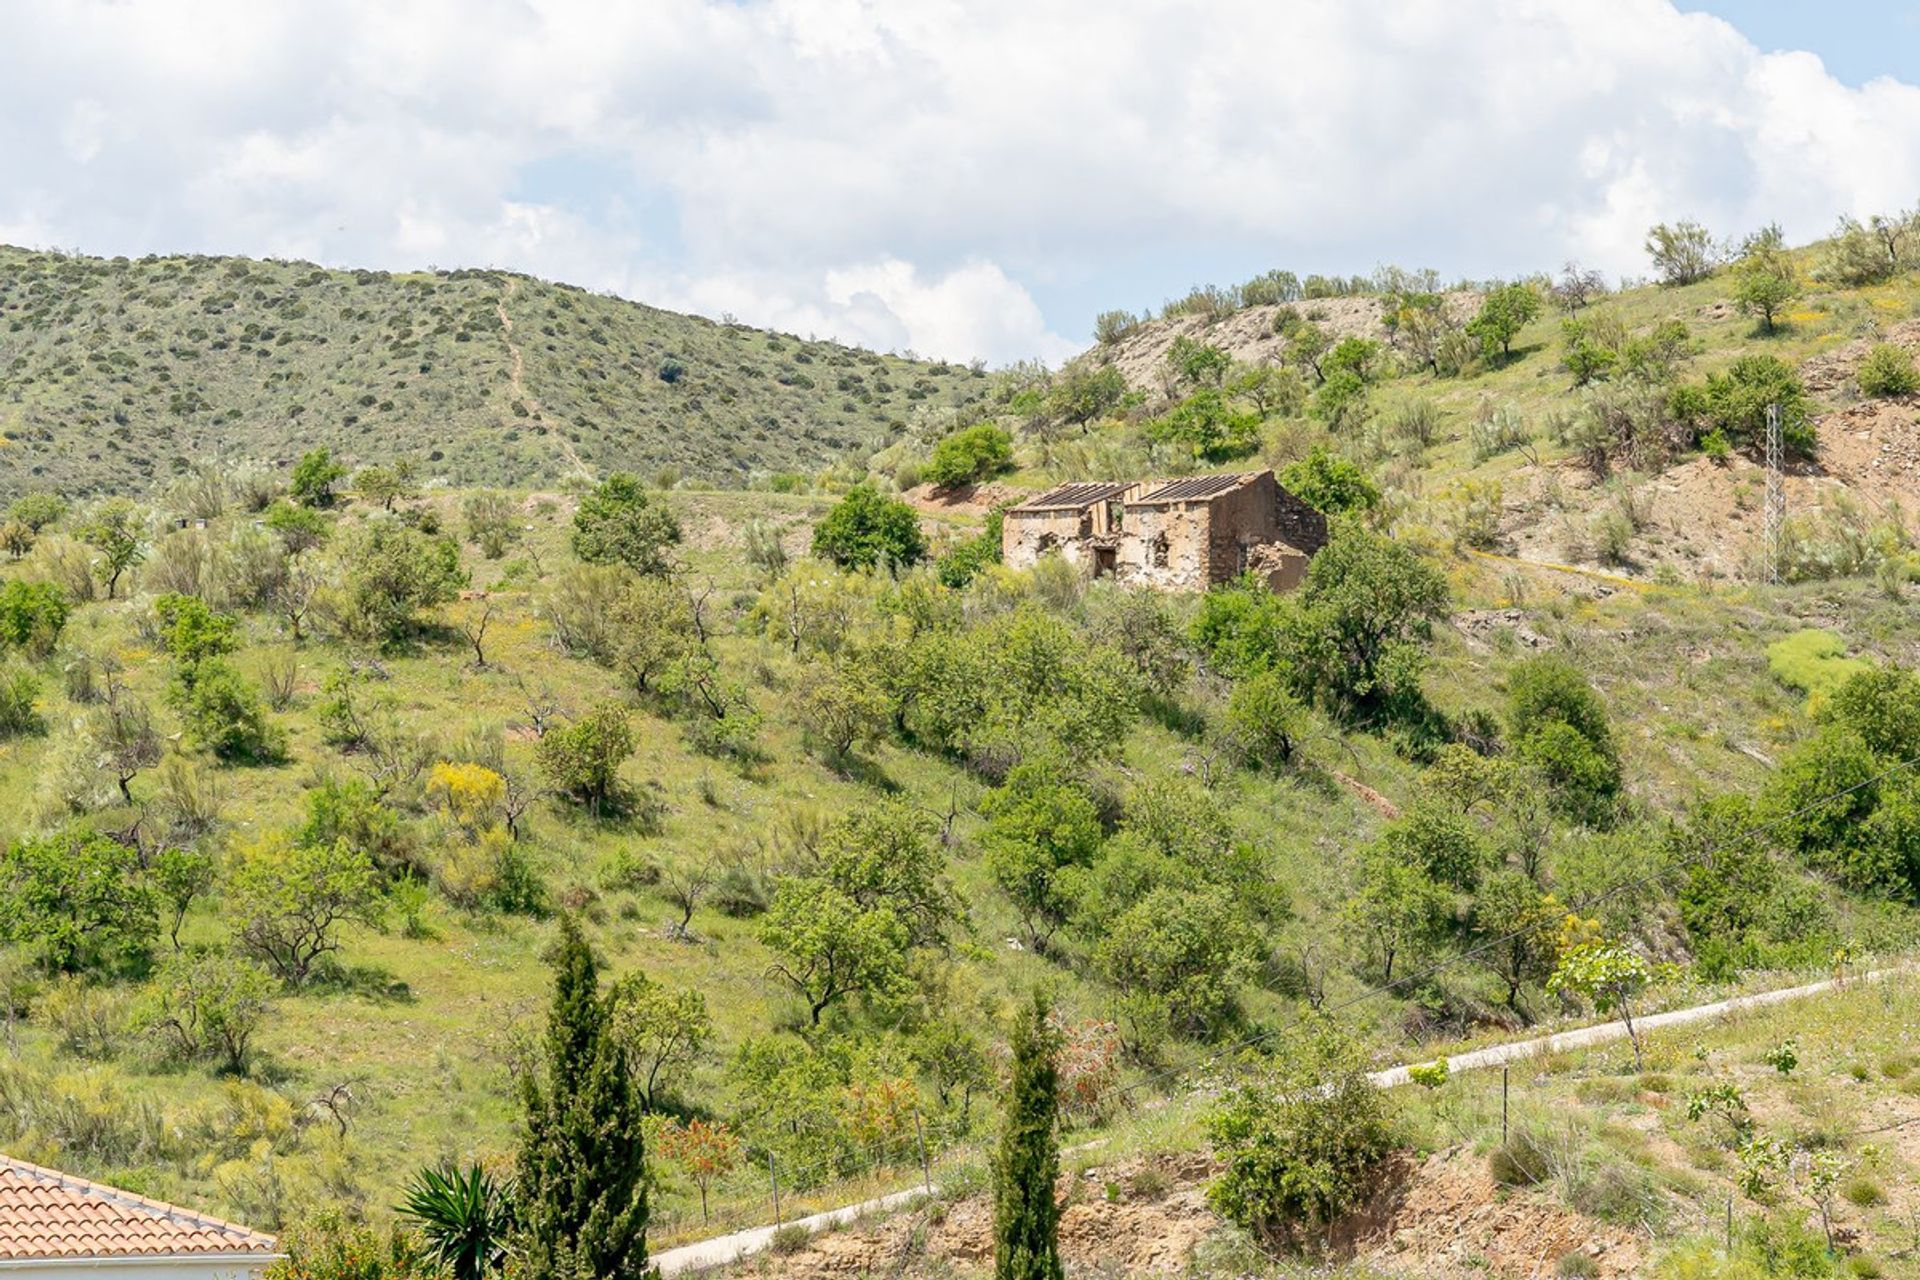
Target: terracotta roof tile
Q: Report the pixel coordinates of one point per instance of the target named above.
(44, 1214)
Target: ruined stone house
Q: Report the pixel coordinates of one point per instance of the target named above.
(1174, 535)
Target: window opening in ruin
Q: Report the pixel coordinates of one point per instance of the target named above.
(1157, 551)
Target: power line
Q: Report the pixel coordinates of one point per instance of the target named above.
(1595, 899)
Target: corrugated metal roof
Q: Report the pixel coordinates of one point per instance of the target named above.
(1075, 497)
(1194, 488)
(44, 1214)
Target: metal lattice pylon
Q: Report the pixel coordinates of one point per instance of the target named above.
(1776, 512)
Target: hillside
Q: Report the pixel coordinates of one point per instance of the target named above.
(828, 823)
(1520, 455)
(117, 374)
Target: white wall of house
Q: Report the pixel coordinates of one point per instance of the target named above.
(202, 1266)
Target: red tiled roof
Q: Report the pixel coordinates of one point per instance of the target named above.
(44, 1214)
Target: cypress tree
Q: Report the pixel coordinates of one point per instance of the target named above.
(583, 1185)
(1026, 1219)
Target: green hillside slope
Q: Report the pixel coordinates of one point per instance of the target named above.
(117, 373)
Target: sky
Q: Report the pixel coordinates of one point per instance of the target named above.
(958, 178)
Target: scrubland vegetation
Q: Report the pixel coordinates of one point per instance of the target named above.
(367, 833)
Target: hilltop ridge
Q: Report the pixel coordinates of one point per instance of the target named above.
(118, 373)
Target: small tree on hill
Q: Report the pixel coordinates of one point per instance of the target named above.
(706, 1150)
(866, 528)
(291, 900)
(1503, 314)
(17, 538)
(209, 1005)
(1026, 1217)
(582, 1166)
(1682, 253)
(76, 901)
(1609, 977)
(314, 478)
(659, 1029)
(1328, 482)
(116, 530)
(617, 524)
(38, 510)
(1764, 280)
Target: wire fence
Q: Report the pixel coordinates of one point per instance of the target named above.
(762, 1192)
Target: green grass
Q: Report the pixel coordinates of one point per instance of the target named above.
(422, 1033)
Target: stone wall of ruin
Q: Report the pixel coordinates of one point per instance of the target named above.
(1026, 536)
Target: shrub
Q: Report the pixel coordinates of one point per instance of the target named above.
(32, 615)
(791, 1238)
(1303, 1148)
(1888, 371)
(959, 564)
(968, 456)
(332, 1248)
(1576, 1266)
(866, 528)
(88, 1019)
(1110, 327)
(616, 524)
(1736, 402)
(190, 631)
(583, 759)
(208, 1005)
(76, 900)
(223, 714)
(1559, 725)
(19, 696)
(1522, 1161)
(392, 573)
(1327, 482)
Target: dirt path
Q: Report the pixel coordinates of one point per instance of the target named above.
(516, 378)
(726, 1249)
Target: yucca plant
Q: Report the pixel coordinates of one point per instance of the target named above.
(465, 1216)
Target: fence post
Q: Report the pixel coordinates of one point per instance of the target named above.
(926, 1169)
(1729, 1222)
(1503, 1104)
(774, 1175)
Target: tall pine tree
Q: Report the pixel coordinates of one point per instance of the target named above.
(1026, 1218)
(583, 1183)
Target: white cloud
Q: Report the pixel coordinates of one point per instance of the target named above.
(887, 305)
(916, 175)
